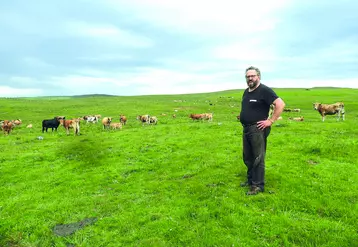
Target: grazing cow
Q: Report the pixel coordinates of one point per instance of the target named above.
(272, 107)
(51, 123)
(153, 120)
(143, 118)
(72, 124)
(123, 119)
(17, 122)
(106, 122)
(90, 119)
(7, 126)
(297, 118)
(296, 110)
(326, 109)
(115, 125)
(196, 116)
(208, 116)
(98, 116)
(174, 116)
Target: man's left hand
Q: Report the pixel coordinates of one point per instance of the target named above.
(263, 124)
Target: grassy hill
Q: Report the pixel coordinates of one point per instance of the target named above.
(177, 183)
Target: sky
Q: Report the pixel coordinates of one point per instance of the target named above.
(151, 47)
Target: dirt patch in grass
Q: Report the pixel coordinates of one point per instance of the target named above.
(68, 229)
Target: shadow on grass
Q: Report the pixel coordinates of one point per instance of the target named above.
(84, 151)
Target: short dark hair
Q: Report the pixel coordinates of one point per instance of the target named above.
(254, 68)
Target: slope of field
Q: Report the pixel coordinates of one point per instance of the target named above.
(177, 183)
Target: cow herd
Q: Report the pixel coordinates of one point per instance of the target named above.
(53, 124)
(323, 109)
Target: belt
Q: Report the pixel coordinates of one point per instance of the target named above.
(248, 125)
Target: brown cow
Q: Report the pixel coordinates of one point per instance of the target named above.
(325, 109)
(123, 119)
(106, 121)
(144, 118)
(7, 126)
(196, 116)
(153, 120)
(297, 118)
(208, 116)
(72, 123)
(17, 121)
(115, 125)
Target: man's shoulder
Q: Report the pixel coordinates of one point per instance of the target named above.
(266, 88)
(263, 86)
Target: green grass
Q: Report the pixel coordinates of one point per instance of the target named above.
(177, 183)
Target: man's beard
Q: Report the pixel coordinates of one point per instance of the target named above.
(252, 84)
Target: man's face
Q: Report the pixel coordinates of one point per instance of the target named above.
(252, 79)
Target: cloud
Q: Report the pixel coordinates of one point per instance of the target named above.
(6, 91)
(166, 47)
(205, 17)
(106, 33)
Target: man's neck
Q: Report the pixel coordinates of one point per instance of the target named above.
(258, 84)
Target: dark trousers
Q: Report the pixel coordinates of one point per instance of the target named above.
(254, 151)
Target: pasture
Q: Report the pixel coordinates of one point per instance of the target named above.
(177, 183)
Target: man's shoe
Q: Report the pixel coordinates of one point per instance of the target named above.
(244, 184)
(254, 190)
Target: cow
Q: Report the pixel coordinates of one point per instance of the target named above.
(174, 116)
(153, 120)
(196, 116)
(115, 125)
(208, 116)
(326, 109)
(106, 122)
(72, 124)
(123, 119)
(29, 126)
(143, 118)
(7, 126)
(297, 118)
(51, 123)
(90, 119)
(17, 121)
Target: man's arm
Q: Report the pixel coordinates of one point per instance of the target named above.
(278, 109)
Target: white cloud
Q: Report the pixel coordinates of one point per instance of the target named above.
(22, 79)
(6, 91)
(107, 33)
(85, 83)
(206, 17)
(106, 58)
(36, 62)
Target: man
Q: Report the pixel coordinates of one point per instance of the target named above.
(255, 107)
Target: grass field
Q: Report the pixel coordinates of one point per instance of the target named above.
(177, 183)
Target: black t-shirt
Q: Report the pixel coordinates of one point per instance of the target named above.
(255, 105)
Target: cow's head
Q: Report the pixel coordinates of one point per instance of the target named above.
(316, 105)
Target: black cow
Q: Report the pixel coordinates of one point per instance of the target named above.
(51, 123)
